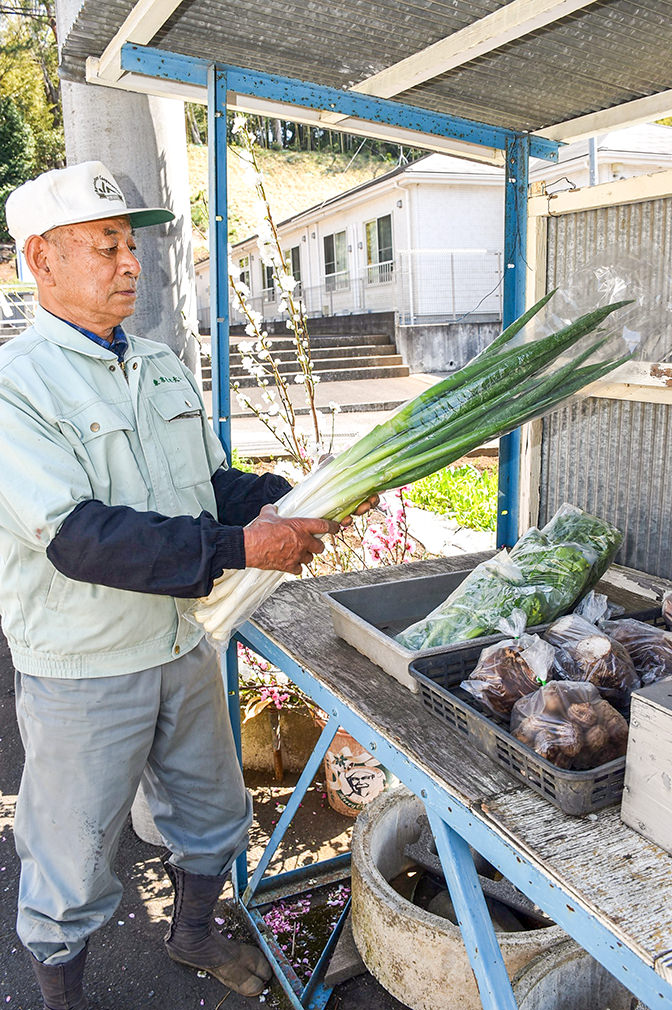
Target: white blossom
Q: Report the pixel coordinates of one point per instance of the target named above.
(286, 282)
(299, 379)
(239, 123)
(316, 379)
(251, 331)
(245, 346)
(247, 362)
(334, 407)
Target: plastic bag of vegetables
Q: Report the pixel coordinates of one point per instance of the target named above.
(649, 648)
(570, 725)
(511, 669)
(542, 576)
(583, 652)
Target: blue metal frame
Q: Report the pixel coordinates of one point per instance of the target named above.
(515, 268)
(190, 70)
(219, 256)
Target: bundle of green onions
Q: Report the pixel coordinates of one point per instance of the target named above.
(500, 389)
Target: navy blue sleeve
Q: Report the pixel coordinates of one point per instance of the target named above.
(240, 496)
(145, 552)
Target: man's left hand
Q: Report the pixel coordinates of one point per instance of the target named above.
(366, 506)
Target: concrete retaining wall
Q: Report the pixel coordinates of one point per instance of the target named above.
(364, 322)
(443, 347)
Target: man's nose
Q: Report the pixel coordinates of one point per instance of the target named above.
(130, 263)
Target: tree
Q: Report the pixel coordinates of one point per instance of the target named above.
(16, 155)
(29, 75)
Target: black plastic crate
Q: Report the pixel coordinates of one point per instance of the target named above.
(574, 792)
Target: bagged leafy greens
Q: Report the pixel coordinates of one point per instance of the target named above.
(546, 572)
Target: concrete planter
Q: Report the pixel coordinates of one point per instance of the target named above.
(298, 736)
(417, 956)
(566, 978)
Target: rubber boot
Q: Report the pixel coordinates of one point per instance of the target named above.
(61, 984)
(193, 939)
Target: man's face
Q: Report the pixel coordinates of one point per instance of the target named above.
(92, 272)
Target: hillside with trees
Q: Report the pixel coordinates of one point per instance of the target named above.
(294, 181)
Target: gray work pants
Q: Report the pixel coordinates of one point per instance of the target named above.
(88, 743)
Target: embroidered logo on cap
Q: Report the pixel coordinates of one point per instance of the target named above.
(106, 189)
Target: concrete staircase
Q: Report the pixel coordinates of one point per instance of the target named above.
(336, 358)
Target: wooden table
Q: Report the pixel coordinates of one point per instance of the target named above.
(607, 886)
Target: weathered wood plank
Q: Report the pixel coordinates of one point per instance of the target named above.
(623, 879)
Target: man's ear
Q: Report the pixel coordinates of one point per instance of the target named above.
(38, 253)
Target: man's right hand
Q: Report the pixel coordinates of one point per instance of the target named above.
(283, 545)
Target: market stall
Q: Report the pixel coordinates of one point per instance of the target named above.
(500, 84)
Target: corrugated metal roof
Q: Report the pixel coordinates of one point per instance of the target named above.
(609, 53)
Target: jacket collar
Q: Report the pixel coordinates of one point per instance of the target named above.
(59, 332)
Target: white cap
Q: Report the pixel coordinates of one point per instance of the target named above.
(85, 192)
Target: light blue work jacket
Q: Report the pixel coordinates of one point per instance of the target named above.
(74, 427)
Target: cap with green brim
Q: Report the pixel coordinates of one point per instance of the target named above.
(63, 196)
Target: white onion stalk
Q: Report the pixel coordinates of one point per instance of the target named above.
(500, 389)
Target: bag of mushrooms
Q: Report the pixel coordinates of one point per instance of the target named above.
(570, 725)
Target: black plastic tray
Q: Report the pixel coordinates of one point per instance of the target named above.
(574, 792)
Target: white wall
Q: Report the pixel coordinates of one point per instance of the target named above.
(427, 216)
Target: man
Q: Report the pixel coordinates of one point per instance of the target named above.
(110, 482)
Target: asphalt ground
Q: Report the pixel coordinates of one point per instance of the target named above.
(127, 968)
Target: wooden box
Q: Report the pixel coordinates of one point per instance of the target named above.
(647, 794)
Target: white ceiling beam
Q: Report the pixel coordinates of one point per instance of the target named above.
(512, 21)
(641, 110)
(295, 114)
(141, 25)
(140, 84)
(364, 128)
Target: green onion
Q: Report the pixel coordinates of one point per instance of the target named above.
(501, 388)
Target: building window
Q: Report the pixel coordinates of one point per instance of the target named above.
(293, 264)
(335, 262)
(379, 255)
(244, 267)
(268, 292)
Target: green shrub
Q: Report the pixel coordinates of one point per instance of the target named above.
(462, 492)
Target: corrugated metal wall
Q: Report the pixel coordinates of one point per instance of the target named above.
(612, 457)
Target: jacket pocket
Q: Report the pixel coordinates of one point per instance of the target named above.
(106, 444)
(179, 422)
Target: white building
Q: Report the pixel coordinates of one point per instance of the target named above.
(426, 239)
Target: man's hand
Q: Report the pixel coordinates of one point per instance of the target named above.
(366, 506)
(283, 545)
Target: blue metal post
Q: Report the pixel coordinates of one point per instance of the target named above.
(229, 661)
(515, 246)
(478, 935)
(219, 257)
(219, 335)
